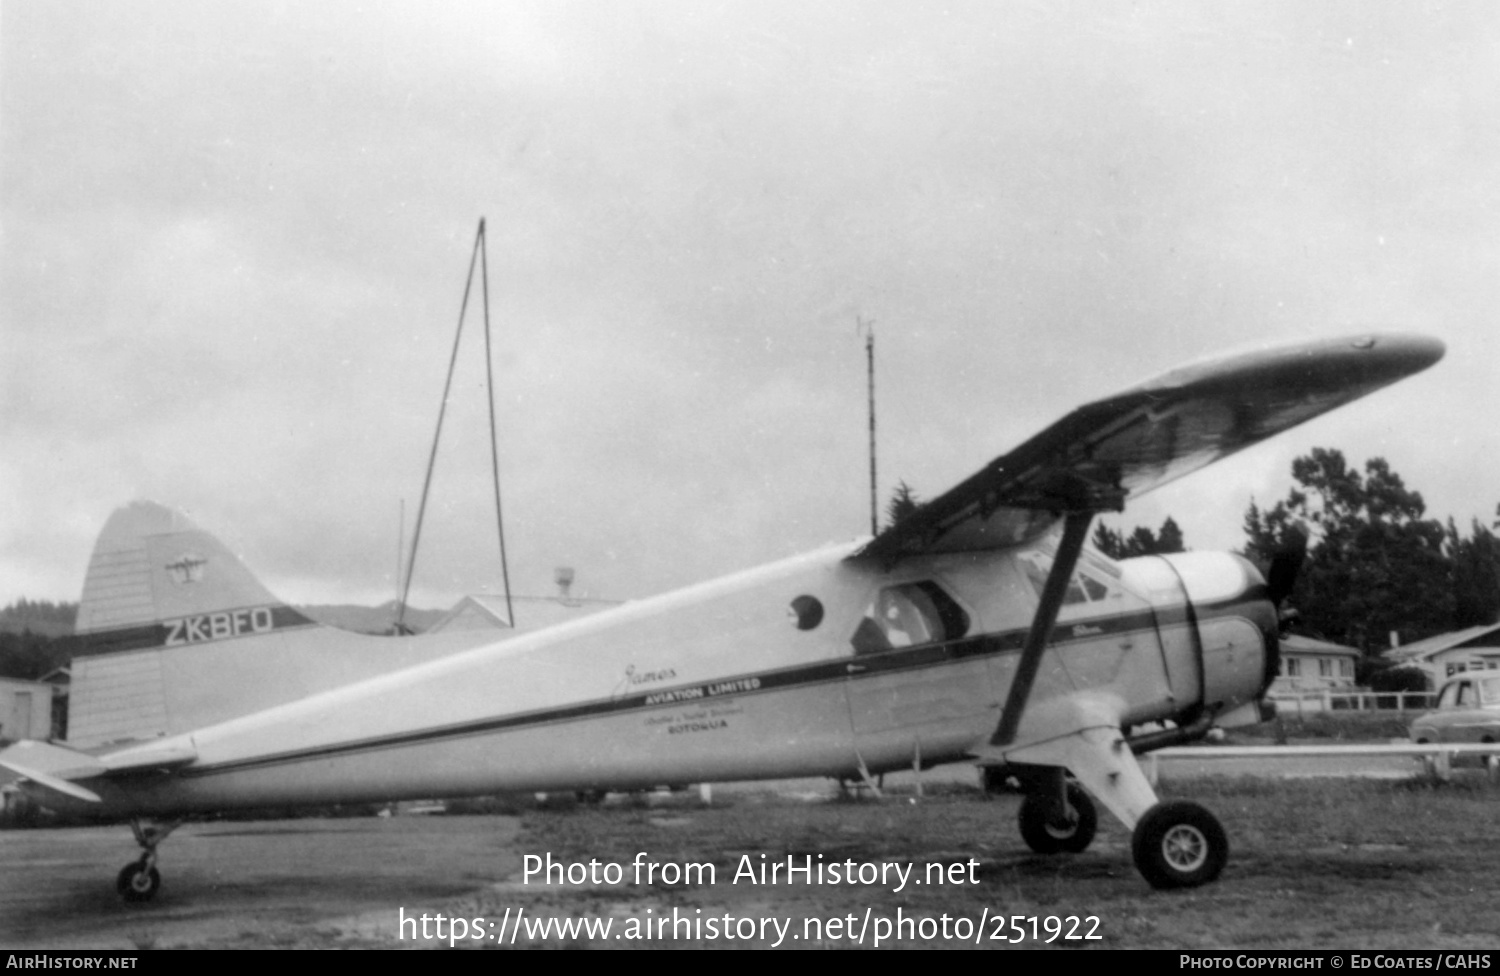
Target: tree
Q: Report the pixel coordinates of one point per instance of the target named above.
(35, 637)
(1141, 541)
(29, 655)
(903, 503)
(1374, 565)
(1476, 576)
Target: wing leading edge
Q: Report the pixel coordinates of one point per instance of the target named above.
(1111, 450)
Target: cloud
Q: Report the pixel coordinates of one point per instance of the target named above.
(235, 239)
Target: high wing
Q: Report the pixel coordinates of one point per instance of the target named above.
(1106, 452)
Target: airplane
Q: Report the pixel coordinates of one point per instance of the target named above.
(980, 628)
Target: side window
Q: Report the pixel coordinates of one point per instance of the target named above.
(1465, 694)
(1450, 693)
(909, 614)
(1084, 587)
(1095, 589)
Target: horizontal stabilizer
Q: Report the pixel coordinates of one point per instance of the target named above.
(53, 767)
(1115, 449)
(56, 768)
(53, 783)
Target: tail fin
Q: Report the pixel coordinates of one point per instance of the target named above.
(152, 572)
(156, 582)
(175, 634)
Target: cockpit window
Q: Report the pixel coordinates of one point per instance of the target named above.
(1084, 587)
(907, 615)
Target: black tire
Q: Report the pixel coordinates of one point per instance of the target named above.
(1046, 838)
(1179, 845)
(136, 882)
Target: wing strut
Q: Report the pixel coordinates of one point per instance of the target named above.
(1075, 530)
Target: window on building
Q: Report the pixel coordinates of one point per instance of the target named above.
(1293, 667)
(1325, 668)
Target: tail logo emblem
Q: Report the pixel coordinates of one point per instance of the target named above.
(187, 568)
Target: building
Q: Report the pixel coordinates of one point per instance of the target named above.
(1309, 665)
(487, 611)
(492, 611)
(1444, 655)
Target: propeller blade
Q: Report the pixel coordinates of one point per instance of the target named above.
(1286, 563)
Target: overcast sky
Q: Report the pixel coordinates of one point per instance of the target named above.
(235, 237)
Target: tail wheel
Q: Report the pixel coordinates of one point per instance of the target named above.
(137, 882)
(1046, 837)
(1179, 845)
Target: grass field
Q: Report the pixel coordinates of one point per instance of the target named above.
(1340, 726)
(1314, 864)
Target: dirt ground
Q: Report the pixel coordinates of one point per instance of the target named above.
(348, 882)
(251, 885)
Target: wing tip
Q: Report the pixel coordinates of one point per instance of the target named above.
(1381, 356)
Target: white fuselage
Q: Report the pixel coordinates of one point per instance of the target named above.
(757, 675)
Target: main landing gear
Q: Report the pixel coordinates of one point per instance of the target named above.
(139, 880)
(1175, 844)
(1053, 823)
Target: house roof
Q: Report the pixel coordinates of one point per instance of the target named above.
(483, 610)
(1297, 644)
(1425, 649)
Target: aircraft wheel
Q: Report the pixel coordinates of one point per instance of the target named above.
(1047, 838)
(1179, 845)
(136, 882)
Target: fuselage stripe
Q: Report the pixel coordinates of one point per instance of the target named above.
(821, 672)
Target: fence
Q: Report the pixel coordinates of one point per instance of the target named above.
(1333, 701)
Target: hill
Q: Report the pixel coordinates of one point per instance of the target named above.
(39, 617)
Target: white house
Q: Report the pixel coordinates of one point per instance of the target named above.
(1444, 655)
(1309, 665)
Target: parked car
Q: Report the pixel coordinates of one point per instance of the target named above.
(1468, 710)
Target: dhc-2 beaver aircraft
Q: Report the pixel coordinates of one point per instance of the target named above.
(979, 628)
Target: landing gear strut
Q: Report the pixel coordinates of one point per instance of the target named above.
(1061, 820)
(139, 880)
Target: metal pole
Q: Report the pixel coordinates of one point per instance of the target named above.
(489, 373)
(437, 435)
(870, 384)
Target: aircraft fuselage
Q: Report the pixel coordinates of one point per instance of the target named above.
(817, 665)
